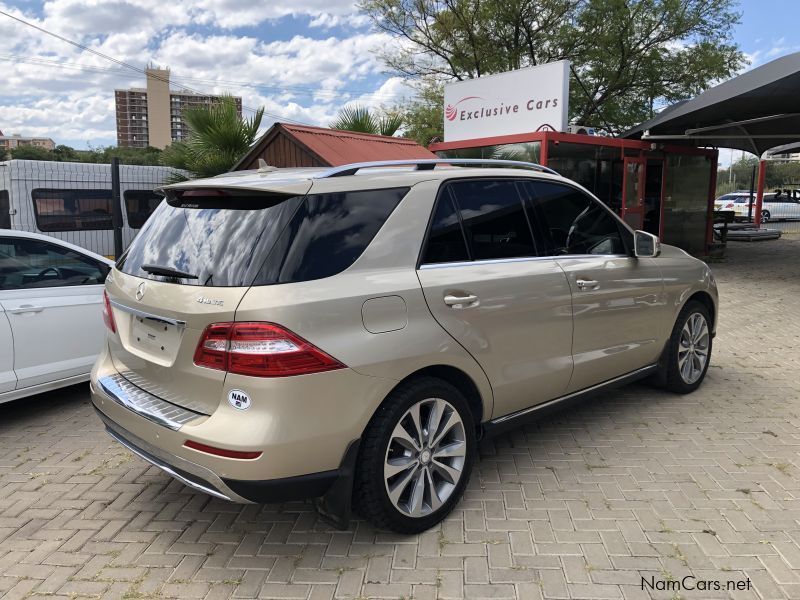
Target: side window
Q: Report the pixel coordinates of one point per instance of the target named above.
(575, 223)
(494, 219)
(327, 234)
(72, 210)
(139, 205)
(5, 210)
(27, 263)
(446, 241)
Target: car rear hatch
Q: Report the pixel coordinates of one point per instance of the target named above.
(189, 267)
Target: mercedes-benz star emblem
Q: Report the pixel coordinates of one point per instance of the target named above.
(140, 291)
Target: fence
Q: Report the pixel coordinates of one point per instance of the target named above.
(99, 207)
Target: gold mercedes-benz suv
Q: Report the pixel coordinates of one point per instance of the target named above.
(348, 334)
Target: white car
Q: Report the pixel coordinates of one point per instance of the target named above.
(776, 206)
(51, 324)
(780, 205)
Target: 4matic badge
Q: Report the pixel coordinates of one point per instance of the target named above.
(211, 301)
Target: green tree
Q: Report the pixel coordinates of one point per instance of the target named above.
(363, 120)
(31, 153)
(737, 177)
(423, 117)
(628, 56)
(218, 138)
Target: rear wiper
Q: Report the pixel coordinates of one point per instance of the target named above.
(167, 272)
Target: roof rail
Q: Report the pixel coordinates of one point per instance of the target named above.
(428, 164)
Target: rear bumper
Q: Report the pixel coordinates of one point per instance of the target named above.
(302, 426)
(203, 479)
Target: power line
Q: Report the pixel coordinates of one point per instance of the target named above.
(127, 65)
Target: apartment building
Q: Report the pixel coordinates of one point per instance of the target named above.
(11, 142)
(153, 116)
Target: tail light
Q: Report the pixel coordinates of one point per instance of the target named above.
(108, 316)
(260, 350)
(729, 205)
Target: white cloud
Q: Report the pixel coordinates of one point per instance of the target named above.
(306, 77)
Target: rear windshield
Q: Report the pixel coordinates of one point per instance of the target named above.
(258, 239)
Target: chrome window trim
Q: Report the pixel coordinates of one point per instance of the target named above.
(118, 389)
(494, 261)
(147, 315)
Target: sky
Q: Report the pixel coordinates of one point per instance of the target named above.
(302, 60)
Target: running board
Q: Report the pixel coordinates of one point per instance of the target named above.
(526, 415)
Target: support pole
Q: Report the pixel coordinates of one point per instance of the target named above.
(116, 208)
(762, 172)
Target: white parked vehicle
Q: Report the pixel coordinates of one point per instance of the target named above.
(780, 205)
(776, 206)
(72, 201)
(51, 325)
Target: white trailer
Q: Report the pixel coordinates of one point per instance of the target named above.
(72, 201)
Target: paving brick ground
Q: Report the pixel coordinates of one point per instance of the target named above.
(637, 483)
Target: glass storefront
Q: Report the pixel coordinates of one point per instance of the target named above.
(597, 168)
(526, 152)
(688, 180)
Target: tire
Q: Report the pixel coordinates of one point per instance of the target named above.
(765, 216)
(390, 457)
(685, 367)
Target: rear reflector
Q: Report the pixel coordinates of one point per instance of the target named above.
(108, 316)
(260, 349)
(221, 451)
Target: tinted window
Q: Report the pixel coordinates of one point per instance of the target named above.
(139, 205)
(446, 239)
(26, 263)
(494, 219)
(259, 238)
(575, 223)
(5, 210)
(72, 210)
(327, 234)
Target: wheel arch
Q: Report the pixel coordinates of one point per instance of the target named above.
(458, 379)
(706, 300)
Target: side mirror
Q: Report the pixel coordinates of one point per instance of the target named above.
(645, 245)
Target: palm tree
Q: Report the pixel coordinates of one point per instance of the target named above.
(218, 138)
(361, 119)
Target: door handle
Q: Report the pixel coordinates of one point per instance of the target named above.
(460, 301)
(587, 284)
(25, 308)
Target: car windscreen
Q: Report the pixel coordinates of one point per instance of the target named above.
(229, 240)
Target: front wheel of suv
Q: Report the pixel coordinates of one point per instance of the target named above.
(415, 457)
(689, 349)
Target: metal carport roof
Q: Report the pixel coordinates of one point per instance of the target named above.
(755, 111)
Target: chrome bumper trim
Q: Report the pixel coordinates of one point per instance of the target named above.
(151, 407)
(147, 315)
(190, 474)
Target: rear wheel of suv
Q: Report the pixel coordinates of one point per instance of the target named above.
(689, 349)
(415, 457)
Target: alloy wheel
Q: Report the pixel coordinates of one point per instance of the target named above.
(693, 348)
(425, 457)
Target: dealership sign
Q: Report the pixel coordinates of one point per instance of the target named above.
(522, 101)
